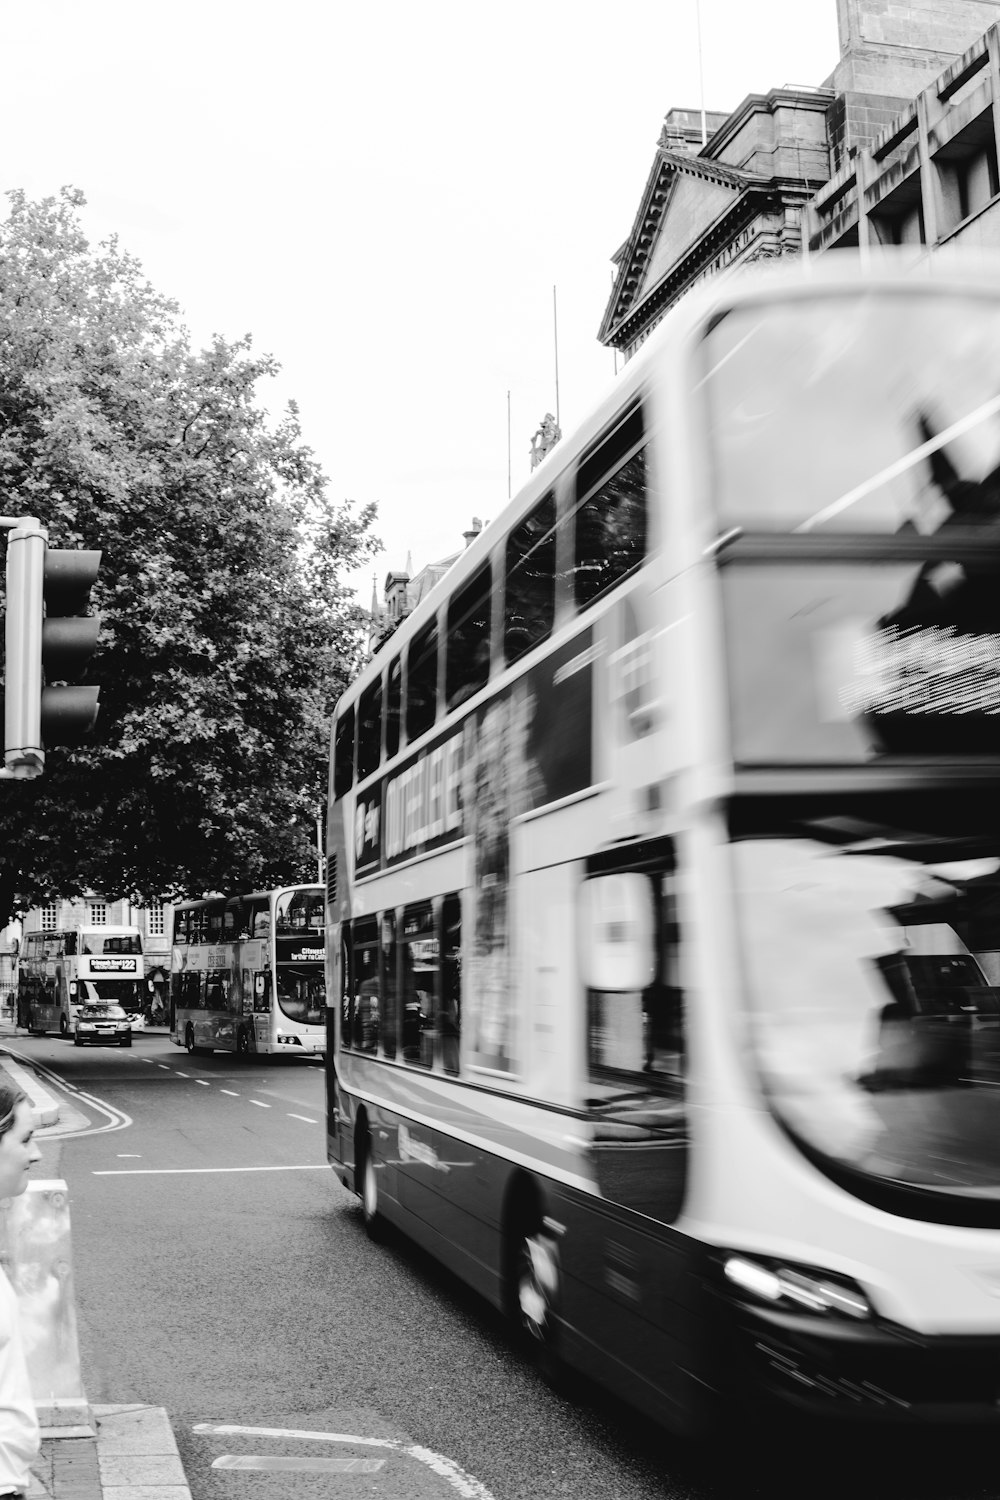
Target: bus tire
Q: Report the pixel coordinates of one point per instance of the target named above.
(367, 1180)
(189, 1045)
(244, 1042)
(533, 1284)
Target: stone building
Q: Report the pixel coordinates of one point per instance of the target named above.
(908, 113)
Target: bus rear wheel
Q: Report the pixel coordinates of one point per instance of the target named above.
(368, 1185)
(533, 1284)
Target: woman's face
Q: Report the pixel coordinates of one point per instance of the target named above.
(18, 1152)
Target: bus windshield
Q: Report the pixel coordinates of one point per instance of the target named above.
(866, 413)
(871, 967)
(302, 992)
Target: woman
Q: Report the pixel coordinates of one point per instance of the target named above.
(19, 1436)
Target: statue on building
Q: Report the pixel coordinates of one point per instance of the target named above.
(545, 439)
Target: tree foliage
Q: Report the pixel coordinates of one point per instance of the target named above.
(228, 629)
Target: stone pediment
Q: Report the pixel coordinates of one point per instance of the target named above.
(684, 196)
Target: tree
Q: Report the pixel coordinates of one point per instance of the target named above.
(228, 629)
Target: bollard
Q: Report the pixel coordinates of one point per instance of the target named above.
(35, 1251)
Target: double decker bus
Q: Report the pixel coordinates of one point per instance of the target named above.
(59, 971)
(663, 890)
(246, 974)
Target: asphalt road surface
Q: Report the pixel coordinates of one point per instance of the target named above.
(223, 1273)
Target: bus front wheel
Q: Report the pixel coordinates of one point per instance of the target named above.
(368, 1185)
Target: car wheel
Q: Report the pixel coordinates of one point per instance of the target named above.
(77, 1042)
(126, 1041)
(63, 1027)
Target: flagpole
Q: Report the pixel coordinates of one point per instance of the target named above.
(555, 338)
(701, 74)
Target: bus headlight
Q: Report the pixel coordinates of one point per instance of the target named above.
(807, 1290)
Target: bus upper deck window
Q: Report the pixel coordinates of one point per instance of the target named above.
(611, 511)
(370, 729)
(467, 660)
(393, 705)
(530, 580)
(343, 754)
(421, 682)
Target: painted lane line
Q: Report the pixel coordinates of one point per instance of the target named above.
(164, 1067)
(182, 1075)
(463, 1484)
(302, 1117)
(259, 1104)
(265, 1463)
(319, 1166)
(204, 1083)
(230, 1093)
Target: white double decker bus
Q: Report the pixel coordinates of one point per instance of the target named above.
(62, 970)
(246, 974)
(664, 870)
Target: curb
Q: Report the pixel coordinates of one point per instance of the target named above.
(44, 1105)
(133, 1457)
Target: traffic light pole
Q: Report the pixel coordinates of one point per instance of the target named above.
(23, 651)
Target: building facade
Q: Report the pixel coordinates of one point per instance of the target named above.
(898, 144)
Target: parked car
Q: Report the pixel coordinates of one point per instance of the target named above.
(102, 1023)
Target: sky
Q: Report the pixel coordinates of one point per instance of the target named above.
(413, 207)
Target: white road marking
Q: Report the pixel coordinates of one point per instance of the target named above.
(259, 1104)
(271, 1464)
(129, 1155)
(462, 1483)
(182, 1075)
(164, 1067)
(320, 1166)
(302, 1117)
(230, 1093)
(204, 1082)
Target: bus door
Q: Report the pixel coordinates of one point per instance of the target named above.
(630, 1265)
(261, 1001)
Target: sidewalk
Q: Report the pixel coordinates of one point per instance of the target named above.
(129, 1452)
(132, 1457)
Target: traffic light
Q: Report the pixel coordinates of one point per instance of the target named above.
(48, 641)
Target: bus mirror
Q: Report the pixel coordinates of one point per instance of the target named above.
(617, 933)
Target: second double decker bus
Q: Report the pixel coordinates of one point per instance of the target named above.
(62, 970)
(664, 869)
(246, 974)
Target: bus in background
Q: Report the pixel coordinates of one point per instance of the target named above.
(59, 971)
(663, 922)
(246, 974)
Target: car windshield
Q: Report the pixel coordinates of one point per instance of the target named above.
(103, 1013)
(872, 967)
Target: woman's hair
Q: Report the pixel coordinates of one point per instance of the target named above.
(10, 1097)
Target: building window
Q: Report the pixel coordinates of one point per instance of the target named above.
(50, 917)
(155, 921)
(99, 913)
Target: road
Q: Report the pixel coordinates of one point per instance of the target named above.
(224, 1274)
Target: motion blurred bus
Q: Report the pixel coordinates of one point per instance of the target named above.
(246, 974)
(59, 971)
(663, 897)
